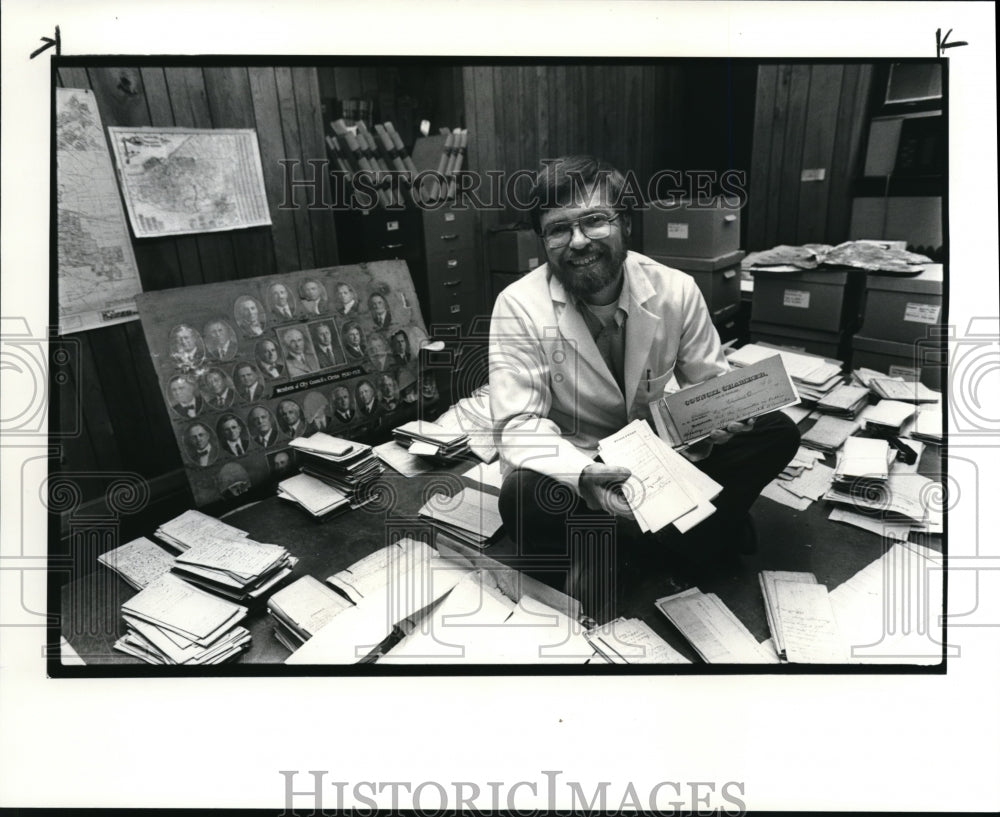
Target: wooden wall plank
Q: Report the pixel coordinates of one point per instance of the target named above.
(760, 180)
(293, 150)
(791, 165)
(817, 150)
(264, 93)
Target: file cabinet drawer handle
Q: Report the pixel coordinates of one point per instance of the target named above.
(452, 263)
(454, 283)
(729, 273)
(449, 236)
(391, 246)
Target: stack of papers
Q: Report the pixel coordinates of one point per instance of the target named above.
(301, 610)
(863, 459)
(829, 433)
(813, 376)
(884, 528)
(664, 488)
(887, 416)
(139, 562)
(314, 495)
(194, 528)
(173, 622)
(632, 641)
(427, 439)
(844, 401)
(805, 458)
(239, 569)
(928, 426)
(471, 516)
(471, 415)
(348, 466)
(713, 630)
(809, 485)
(901, 496)
(401, 460)
(865, 376)
(803, 627)
(909, 391)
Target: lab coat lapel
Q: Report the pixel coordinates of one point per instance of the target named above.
(574, 329)
(639, 330)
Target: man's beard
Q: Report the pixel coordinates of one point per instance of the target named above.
(582, 282)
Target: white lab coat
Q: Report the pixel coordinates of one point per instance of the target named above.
(551, 393)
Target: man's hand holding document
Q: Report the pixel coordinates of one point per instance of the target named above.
(725, 403)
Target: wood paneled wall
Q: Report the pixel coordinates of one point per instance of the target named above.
(807, 116)
(125, 427)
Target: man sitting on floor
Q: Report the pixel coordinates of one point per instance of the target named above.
(579, 348)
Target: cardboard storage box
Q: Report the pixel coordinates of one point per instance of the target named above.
(827, 301)
(922, 359)
(834, 345)
(717, 278)
(515, 250)
(902, 308)
(693, 231)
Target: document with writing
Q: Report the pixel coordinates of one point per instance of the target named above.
(767, 580)
(808, 627)
(242, 558)
(653, 493)
(711, 628)
(194, 527)
(172, 603)
(139, 562)
(692, 413)
(399, 459)
(632, 641)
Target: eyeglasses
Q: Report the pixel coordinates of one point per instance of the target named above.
(595, 225)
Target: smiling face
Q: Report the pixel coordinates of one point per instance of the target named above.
(589, 268)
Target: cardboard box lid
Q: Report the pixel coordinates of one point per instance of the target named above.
(696, 264)
(836, 278)
(795, 332)
(897, 349)
(930, 281)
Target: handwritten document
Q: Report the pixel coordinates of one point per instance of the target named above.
(139, 562)
(690, 414)
(172, 603)
(808, 627)
(401, 460)
(193, 528)
(712, 629)
(632, 641)
(308, 604)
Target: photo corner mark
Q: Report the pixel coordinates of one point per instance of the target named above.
(943, 44)
(47, 43)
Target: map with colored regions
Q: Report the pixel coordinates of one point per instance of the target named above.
(185, 180)
(97, 274)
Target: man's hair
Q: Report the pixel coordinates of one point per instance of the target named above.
(560, 182)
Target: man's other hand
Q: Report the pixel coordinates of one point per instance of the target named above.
(601, 489)
(720, 436)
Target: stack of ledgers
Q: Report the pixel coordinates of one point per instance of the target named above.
(471, 516)
(814, 377)
(800, 617)
(427, 439)
(301, 610)
(193, 528)
(349, 467)
(239, 569)
(714, 631)
(173, 622)
(314, 495)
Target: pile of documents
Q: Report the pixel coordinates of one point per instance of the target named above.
(301, 610)
(239, 569)
(814, 377)
(903, 496)
(350, 467)
(194, 528)
(800, 616)
(314, 495)
(714, 631)
(173, 622)
(401, 460)
(863, 461)
(665, 488)
(928, 426)
(471, 516)
(472, 416)
(828, 433)
(632, 641)
(798, 487)
(426, 439)
(138, 562)
(843, 401)
(909, 391)
(887, 416)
